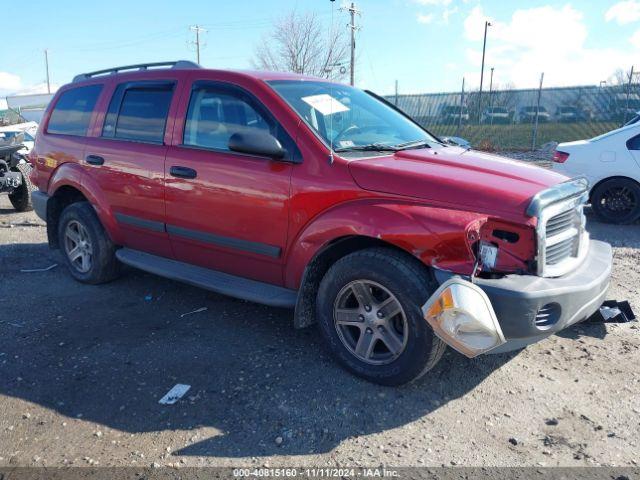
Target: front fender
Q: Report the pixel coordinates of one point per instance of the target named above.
(75, 176)
(436, 236)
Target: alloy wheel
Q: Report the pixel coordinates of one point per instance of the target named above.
(370, 322)
(77, 246)
(619, 201)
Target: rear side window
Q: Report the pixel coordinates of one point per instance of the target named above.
(72, 112)
(139, 112)
(634, 143)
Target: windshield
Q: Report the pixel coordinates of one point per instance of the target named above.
(348, 118)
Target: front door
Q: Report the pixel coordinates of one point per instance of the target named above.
(225, 210)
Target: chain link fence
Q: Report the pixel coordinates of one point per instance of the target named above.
(523, 120)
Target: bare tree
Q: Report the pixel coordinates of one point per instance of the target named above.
(300, 43)
(619, 77)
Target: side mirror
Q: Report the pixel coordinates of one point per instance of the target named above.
(256, 143)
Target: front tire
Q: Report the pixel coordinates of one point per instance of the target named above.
(617, 201)
(86, 248)
(21, 197)
(369, 312)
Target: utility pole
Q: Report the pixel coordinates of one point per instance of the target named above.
(197, 29)
(491, 96)
(535, 128)
(487, 24)
(46, 63)
(352, 25)
(461, 104)
(626, 107)
(396, 93)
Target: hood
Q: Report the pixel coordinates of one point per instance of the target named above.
(454, 177)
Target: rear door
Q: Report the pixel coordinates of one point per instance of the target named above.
(126, 157)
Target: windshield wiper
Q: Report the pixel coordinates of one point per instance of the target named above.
(413, 144)
(372, 147)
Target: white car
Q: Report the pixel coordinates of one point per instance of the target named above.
(611, 163)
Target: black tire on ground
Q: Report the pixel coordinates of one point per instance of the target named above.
(102, 265)
(410, 284)
(21, 197)
(617, 201)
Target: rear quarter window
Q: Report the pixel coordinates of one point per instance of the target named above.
(634, 143)
(72, 112)
(139, 112)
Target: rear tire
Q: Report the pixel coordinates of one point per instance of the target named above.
(381, 346)
(617, 201)
(86, 248)
(21, 197)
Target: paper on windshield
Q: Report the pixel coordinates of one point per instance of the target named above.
(325, 104)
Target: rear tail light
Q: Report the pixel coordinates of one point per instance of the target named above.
(560, 157)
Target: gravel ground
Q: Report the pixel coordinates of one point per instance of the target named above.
(82, 369)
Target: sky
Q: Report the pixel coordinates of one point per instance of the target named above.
(424, 45)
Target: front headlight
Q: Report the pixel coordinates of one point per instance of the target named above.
(461, 314)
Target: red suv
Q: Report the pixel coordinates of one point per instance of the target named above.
(298, 192)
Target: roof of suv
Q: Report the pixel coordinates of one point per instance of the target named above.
(184, 65)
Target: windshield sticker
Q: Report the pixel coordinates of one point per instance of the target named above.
(325, 104)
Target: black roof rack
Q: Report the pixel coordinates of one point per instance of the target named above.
(178, 65)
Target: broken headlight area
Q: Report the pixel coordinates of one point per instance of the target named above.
(461, 314)
(503, 247)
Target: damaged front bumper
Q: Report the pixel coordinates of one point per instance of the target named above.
(527, 308)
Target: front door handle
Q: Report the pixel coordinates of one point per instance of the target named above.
(183, 172)
(94, 160)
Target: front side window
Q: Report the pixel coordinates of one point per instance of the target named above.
(348, 118)
(72, 112)
(215, 114)
(139, 112)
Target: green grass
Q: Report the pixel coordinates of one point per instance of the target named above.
(519, 136)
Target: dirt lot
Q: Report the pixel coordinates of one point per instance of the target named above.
(82, 369)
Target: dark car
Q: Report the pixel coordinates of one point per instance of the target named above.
(529, 114)
(496, 115)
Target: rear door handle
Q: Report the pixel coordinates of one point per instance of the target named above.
(183, 172)
(94, 160)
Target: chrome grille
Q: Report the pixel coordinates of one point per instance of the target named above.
(561, 222)
(562, 239)
(561, 250)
